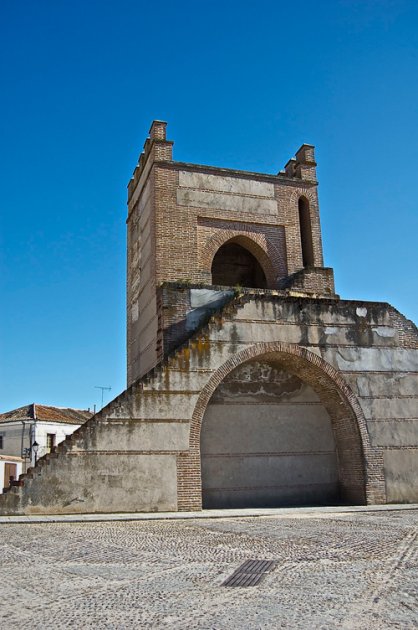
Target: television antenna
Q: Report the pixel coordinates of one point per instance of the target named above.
(103, 389)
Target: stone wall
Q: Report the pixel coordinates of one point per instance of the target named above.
(142, 451)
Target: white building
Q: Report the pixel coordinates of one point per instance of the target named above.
(29, 432)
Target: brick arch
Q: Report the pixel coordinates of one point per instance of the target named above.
(254, 243)
(360, 464)
(308, 193)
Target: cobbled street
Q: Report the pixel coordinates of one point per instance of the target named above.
(339, 570)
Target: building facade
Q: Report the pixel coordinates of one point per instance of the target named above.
(250, 382)
(39, 425)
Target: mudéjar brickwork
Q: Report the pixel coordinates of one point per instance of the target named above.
(250, 382)
(180, 215)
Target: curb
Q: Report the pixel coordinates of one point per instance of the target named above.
(302, 512)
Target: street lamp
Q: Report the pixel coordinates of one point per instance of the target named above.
(35, 447)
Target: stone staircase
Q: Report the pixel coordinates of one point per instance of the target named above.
(46, 465)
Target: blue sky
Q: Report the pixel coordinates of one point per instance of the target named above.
(242, 85)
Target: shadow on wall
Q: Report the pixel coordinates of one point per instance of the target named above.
(234, 265)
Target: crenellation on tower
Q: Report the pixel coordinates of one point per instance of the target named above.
(305, 167)
(158, 130)
(156, 149)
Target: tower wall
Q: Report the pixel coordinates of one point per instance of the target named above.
(180, 215)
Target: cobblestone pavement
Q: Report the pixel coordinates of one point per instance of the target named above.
(333, 571)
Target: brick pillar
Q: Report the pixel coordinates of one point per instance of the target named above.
(158, 130)
(189, 481)
(305, 163)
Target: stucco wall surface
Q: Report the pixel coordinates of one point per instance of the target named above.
(266, 440)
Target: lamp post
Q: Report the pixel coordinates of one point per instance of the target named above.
(35, 447)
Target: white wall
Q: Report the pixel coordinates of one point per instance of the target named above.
(59, 429)
(5, 482)
(32, 431)
(12, 437)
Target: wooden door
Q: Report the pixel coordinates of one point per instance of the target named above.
(10, 470)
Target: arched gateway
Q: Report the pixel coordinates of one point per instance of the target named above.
(234, 265)
(224, 401)
(277, 425)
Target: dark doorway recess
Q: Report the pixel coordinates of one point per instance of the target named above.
(234, 265)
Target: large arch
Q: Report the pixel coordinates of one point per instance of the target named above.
(360, 465)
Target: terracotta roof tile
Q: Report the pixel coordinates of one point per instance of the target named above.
(45, 413)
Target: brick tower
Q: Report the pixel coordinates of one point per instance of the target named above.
(207, 225)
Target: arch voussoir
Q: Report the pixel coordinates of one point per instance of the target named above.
(254, 243)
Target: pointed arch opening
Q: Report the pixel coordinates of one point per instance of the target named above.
(277, 432)
(359, 465)
(233, 264)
